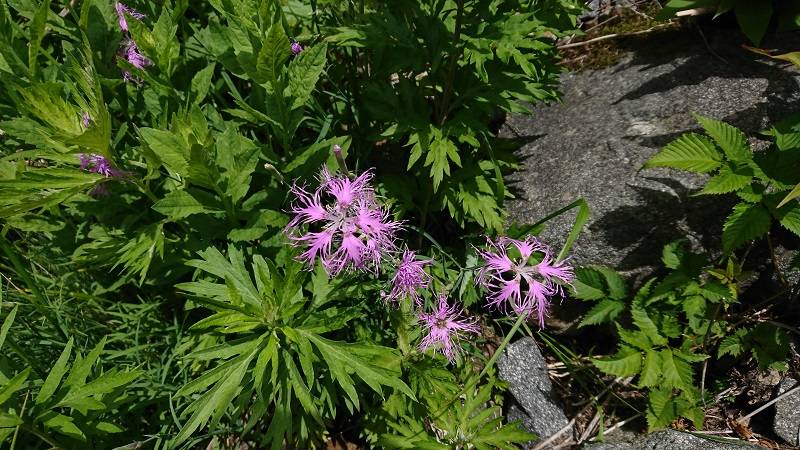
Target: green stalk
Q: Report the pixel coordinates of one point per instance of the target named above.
(38, 300)
(486, 368)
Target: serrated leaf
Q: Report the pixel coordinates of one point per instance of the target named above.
(676, 372)
(605, 311)
(201, 82)
(733, 344)
(274, 52)
(789, 217)
(661, 409)
(588, 284)
(304, 73)
(642, 320)
(729, 138)
(170, 149)
(746, 222)
(625, 363)
(651, 369)
(730, 178)
(692, 152)
(56, 374)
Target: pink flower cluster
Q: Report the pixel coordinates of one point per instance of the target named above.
(342, 224)
(521, 276)
(129, 49)
(346, 227)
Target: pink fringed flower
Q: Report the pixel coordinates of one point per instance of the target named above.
(135, 58)
(346, 228)
(98, 164)
(522, 276)
(296, 48)
(121, 10)
(445, 327)
(409, 278)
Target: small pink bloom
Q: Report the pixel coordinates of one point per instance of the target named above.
(98, 164)
(342, 224)
(296, 48)
(121, 10)
(85, 119)
(409, 278)
(445, 327)
(520, 285)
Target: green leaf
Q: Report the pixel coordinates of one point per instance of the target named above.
(180, 204)
(625, 363)
(676, 372)
(304, 72)
(8, 421)
(661, 409)
(37, 30)
(168, 148)
(213, 404)
(274, 52)
(64, 425)
(651, 370)
(56, 374)
(789, 217)
(730, 178)
(605, 311)
(642, 320)
(82, 367)
(730, 139)
(588, 284)
(440, 150)
(7, 322)
(692, 152)
(791, 196)
(753, 18)
(344, 359)
(201, 82)
(13, 385)
(746, 222)
(617, 289)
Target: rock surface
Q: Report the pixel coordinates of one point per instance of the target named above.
(610, 121)
(787, 414)
(671, 440)
(523, 367)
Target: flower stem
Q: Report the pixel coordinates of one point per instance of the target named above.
(489, 364)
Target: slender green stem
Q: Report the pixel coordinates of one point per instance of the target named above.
(444, 108)
(489, 364)
(38, 300)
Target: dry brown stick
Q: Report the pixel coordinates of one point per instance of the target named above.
(554, 436)
(614, 35)
(590, 428)
(66, 9)
(620, 424)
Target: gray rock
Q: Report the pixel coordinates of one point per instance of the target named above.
(787, 414)
(610, 121)
(672, 440)
(523, 367)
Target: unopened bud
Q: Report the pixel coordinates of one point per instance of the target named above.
(275, 170)
(337, 151)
